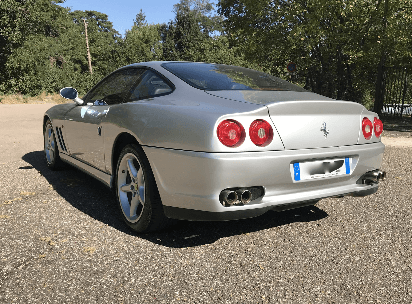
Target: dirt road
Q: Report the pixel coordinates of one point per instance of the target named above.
(20, 130)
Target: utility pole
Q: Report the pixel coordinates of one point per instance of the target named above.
(88, 49)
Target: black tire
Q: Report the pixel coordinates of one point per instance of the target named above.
(51, 149)
(136, 192)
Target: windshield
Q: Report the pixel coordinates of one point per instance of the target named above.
(216, 77)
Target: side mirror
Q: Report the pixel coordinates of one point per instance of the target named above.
(71, 93)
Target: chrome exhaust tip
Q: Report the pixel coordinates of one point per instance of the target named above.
(238, 196)
(229, 197)
(244, 196)
(373, 177)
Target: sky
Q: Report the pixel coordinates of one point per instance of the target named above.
(122, 12)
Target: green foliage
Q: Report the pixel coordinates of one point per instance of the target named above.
(186, 37)
(45, 47)
(31, 30)
(104, 41)
(337, 45)
(142, 42)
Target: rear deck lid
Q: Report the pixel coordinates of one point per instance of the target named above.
(306, 120)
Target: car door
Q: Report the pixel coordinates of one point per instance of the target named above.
(84, 129)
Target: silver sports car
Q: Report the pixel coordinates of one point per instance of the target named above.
(202, 141)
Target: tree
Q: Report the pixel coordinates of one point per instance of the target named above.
(44, 48)
(140, 19)
(193, 26)
(142, 42)
(30, 32)
(335, 44)
(104, 41)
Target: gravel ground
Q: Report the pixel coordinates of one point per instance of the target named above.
(61, 241)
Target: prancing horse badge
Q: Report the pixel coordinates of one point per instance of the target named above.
(325, 132)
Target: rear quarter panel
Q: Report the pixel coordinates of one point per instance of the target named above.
(362, 140)
(173, 121)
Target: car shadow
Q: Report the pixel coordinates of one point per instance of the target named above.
(96, 200)
(191, 234)
(79, 189)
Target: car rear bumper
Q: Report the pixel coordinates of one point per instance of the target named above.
(190, 182)
(199, 215)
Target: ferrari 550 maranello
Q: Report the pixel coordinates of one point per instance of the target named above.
(200, 141)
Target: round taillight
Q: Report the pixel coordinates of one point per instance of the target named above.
(367, 128)
(261, 132)
(377, 126)
(231, 133)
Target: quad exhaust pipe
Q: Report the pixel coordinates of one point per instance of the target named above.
(373, 177)
(230, 197)
(244, 196)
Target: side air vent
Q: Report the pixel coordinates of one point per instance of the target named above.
(61, 140)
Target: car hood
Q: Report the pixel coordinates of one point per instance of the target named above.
(306, 120)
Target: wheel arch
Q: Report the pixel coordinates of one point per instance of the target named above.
(45, 119)
(123, 139)
(154, 219)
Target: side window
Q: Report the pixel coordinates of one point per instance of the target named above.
(116, 88)
(151, 85)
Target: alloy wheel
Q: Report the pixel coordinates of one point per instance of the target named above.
(131, 187)
(49, 144)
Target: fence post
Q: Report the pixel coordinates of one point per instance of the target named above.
(404, 90)
(379, 89)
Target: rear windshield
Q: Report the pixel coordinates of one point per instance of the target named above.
(216, 77)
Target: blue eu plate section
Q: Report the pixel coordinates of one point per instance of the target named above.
(296, 169)
(347, 165)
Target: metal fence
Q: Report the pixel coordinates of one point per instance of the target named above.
(397, 109)
(397, 91)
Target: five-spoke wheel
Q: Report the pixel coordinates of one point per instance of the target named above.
(50, 146)
(136, 191)
(131, 187)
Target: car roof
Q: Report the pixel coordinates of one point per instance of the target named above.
(150, 63)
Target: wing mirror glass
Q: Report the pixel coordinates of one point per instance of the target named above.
(71, 93)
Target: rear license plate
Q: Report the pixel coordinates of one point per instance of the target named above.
(321, 168)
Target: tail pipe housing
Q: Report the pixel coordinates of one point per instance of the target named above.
(372, 177)
(240, 196)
